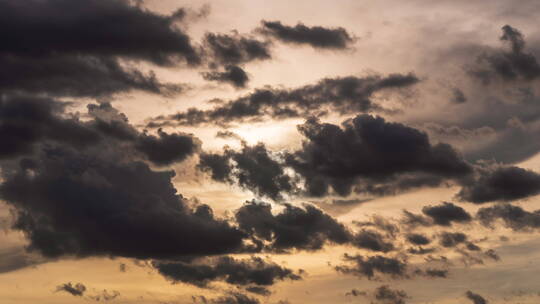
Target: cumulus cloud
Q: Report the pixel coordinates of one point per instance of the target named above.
(366, 149)
(361, 156)
(446, 213)
(255, 168)
(501, 183)
(81, 188)
(305, 228)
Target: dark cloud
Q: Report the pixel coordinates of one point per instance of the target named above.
(446, 213)
(316, 36)
(475, 298)
(452, 239)
(472, 247)
(371, 240)
(26, 120)
(344, 95)
(513, 217)
(81, 189)
(235, 49)
(166, 149)
(259, 290)
(77, 75)
(233, 75)
(368, 151)
(305, 228)
(95, 27)
(238, 272)
(436, 273)
(385, 294)
(254, 168)
(421, 250)
(361, 156)
(510, 65)
(370, 266)
(501, 183)
(82, 53)
(217, 165)
(77, 289)
(418, 239)
(71, 204)
(231, 298)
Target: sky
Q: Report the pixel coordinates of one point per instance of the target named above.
(269, 152)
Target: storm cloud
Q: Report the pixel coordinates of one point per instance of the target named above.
(366, 149)
(82, 188)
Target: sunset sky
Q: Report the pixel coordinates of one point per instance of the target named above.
(269, 152)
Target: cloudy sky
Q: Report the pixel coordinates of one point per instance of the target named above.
(280, 152)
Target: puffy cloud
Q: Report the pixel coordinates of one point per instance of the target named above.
(501, 183)
(368, 151)
(305, 228)
(254, 168)
(446, 213)
(81, 188)
(167, 148)
(418, 239)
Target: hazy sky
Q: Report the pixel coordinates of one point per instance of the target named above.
(280, 152)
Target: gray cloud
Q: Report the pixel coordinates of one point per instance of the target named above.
(316, 36)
